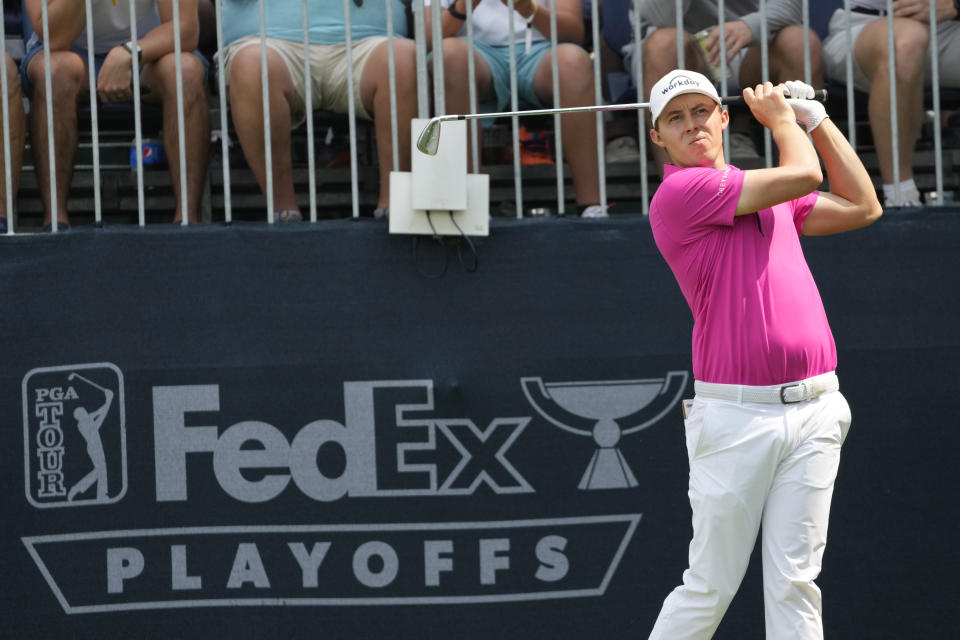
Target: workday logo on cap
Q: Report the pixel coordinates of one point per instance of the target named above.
(679, 82)
(74, 435)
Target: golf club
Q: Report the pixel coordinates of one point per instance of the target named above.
(429, 140)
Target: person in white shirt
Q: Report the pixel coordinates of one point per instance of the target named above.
(113, 51)
(530, 22)
(871, 74)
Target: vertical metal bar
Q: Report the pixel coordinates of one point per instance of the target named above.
(765, 75)
(439, 85)
(308, 91)
(137, 126)
(392, 72)
(423, 81)
(935, 82)
(514, 120)
(807, 64)
(598, 96)
(51, 145)
(851, 106)
(472, 88)
(641, 113)
(94, 120)
(721, 22)
(894, 115)
(224, 130)
(7, 169)
(265, 96)
(181, 120)
(681, 35)
(352, 107)
(557, 124)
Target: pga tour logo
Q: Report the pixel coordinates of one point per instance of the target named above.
(74, 435)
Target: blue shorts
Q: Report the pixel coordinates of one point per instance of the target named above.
(34, 46)
(498, 59)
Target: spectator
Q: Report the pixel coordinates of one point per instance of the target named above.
(371, 72)
(114, 55)
(911, 40)
(17, 130)
(534, 73)
(742, 36)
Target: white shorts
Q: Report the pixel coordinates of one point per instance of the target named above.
(328, 72)
(835, 50)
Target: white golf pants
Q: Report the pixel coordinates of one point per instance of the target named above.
(757, 466)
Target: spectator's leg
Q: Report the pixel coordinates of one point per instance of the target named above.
(375, 94)
(17, 136)
(68, 75)
(579, 129)
(456, 81)
(246, 105)
(910, 43)
(161, 77)
(785, 63)
(659, 58)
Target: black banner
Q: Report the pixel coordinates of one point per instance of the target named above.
(297, 432)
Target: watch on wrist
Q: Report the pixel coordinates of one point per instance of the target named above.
(130, 46)
(452, 10)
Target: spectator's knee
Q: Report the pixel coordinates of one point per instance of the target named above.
(67, 76)
(245, 71)
(454, 57)
(910, 51)
(576, 72)
(660, 49)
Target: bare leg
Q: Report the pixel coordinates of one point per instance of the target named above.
(17, 135)
(68, 75)
(456, 80)
(247, 106)
(910, 46)
(161, 77)
(579, 129)
(375, 94)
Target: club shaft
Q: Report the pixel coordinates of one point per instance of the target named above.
(820, 96)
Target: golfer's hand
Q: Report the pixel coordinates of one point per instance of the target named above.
(768, 105)
(809, 113)
(736, 36)
(113, 83)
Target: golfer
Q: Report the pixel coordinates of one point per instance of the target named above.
(764, 431)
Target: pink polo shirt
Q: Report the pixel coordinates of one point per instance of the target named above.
(758, 317)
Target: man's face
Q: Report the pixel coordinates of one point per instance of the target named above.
(691, 128)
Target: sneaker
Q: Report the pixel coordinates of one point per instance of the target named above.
(534, 147)
(61, 227)
(381, 213)
(594, 211)
(3, 226)
(287, 215)
(741, 146)
(891, 202)
(623, 149)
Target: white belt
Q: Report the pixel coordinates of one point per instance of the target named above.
(792, 393)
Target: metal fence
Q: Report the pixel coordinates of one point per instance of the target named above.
(423, 84)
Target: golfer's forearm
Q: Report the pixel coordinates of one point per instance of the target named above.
(846, 173)
(796, 152)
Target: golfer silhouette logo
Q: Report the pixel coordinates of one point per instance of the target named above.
(88, 424)
(74, 435)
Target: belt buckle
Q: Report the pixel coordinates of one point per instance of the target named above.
(783, 397)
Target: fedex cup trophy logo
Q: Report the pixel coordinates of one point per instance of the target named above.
(606, 411)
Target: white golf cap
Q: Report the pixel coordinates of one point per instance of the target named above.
(676, 83)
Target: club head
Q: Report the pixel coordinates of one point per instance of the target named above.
(429, 140)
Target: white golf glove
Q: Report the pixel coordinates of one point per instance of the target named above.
(809, 112)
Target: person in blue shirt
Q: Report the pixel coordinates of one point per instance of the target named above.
(328, 65)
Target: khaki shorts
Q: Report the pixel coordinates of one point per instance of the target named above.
(328, 72)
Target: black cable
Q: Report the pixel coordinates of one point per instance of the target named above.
(473, 249)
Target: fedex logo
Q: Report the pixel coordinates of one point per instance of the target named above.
(390, 443)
